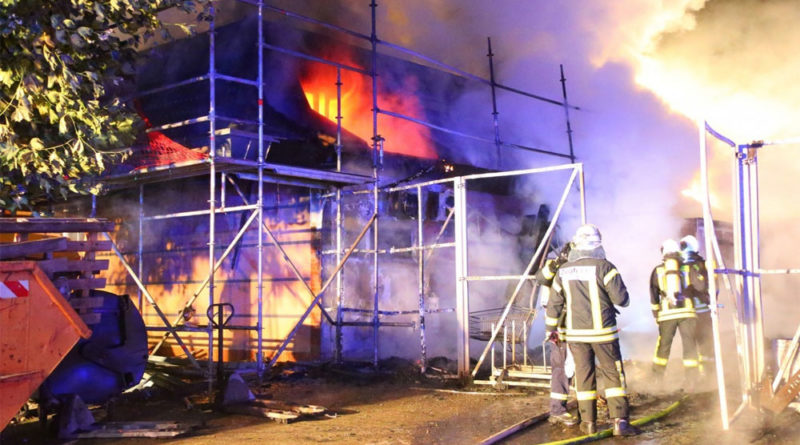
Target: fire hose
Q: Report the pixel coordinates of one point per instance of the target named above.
(609, 432)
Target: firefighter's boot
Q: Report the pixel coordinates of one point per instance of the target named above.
(564, 418)
(588, 427)
(623, 428)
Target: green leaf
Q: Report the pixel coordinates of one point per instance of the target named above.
(85, 32)
(6, 77)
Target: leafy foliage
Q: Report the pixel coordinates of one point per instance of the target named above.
(60, 63)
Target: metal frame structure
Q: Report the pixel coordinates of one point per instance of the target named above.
(222, 170)
(746, 273)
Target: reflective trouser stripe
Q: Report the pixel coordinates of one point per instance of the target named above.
(587, 395)
(656, 359)
(675, 314)
(591, 339)
(689, 363)
(615, 392)
(558, 396)
(621, 374)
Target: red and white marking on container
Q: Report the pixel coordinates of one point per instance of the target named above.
(14, 288)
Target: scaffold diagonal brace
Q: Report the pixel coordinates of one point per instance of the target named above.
(152, 302)
(335, 273)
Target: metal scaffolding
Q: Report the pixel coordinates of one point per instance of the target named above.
(746, 274)
(223, 170)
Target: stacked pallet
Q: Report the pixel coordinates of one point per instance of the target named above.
(65, 249)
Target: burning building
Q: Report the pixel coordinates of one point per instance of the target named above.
(355, 153)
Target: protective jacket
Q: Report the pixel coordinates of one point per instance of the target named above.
(694, 280)
(544, 277)
(668, 300)
(587, 287)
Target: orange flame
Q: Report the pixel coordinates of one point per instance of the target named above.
(695, 192)
(401, 137)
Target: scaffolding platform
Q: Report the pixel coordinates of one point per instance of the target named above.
(275, 173)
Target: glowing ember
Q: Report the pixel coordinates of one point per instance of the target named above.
(402, 137)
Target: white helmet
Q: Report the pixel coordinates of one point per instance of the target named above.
(689, 244)
(669, 246)
(587, 237)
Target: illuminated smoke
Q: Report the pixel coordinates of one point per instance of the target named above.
(641, 72)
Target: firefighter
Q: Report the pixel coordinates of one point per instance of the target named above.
(695, 284)
(586, 289)
(673, 311)
(559, 378)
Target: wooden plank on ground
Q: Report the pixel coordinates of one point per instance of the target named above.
(25, 248)
(55, 225)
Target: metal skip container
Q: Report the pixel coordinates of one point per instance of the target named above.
(38, 327)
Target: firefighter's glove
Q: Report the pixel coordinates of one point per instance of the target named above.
(553, 337)
(563, 255)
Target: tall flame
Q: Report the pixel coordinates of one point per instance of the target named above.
(401, 137)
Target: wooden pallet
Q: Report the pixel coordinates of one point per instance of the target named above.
(70, 264)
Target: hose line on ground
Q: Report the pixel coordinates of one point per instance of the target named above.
(609, 432)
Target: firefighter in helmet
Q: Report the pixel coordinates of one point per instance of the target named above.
(559, 355)
(694, 279)
(586, 289)
(673, 311)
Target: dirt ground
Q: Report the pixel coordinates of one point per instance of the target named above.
(400, 407)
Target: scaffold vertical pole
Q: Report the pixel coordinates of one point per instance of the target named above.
(140, 245)
(758, 304)
(708, 237)
(421, 283)
(495, 113)
(260, 255)
(462, 271)
(212, 149)
(375, 178)
(338, 220)
(566, 114)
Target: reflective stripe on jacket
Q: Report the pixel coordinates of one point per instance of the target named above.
(587, 290)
